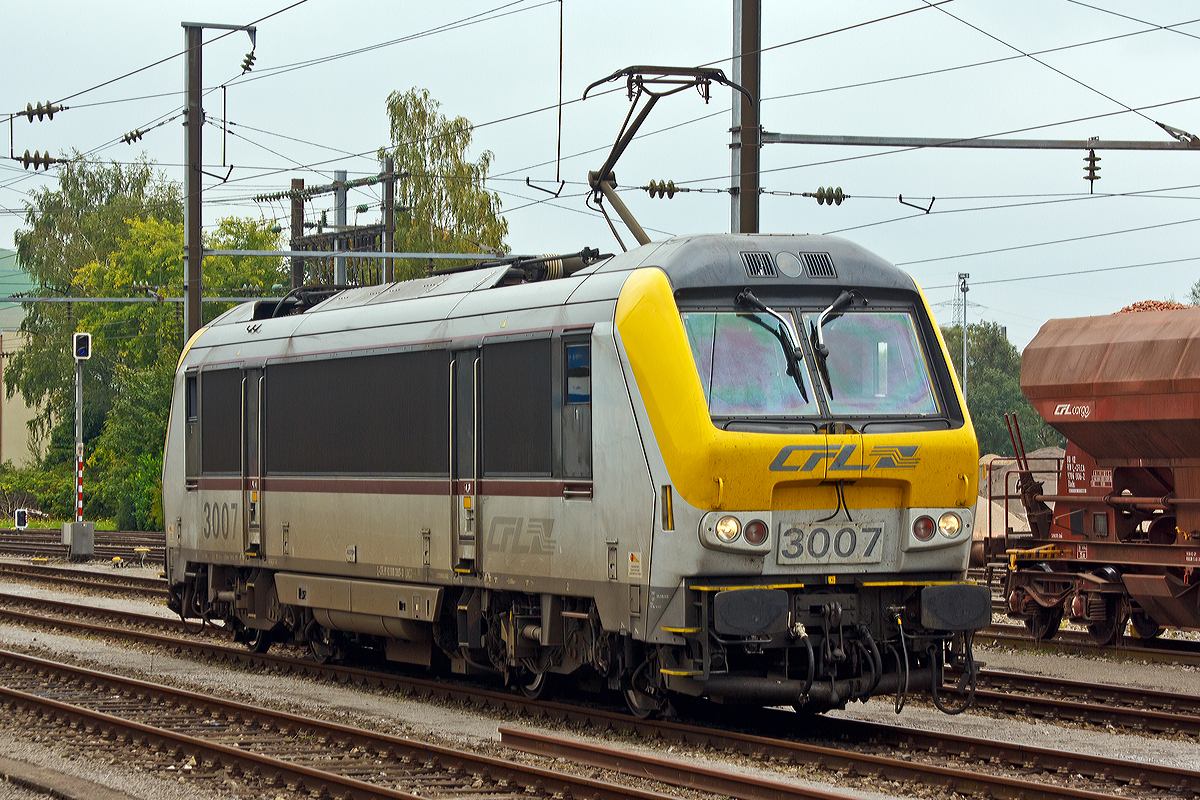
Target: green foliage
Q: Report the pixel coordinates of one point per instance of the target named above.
(117, 231)
(1195, 295)
(48, 490)
(145, 340)
(122, 231)
(127, 459)
(994, 389)
(84, 221)
(448, 208)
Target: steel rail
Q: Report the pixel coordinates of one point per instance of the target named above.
(953, 779)
(1186, 705)
(87, 578)
(1031, 758)
(1168, 651)
(306, 777)
(1019, 756)
(1139, 709)
(531, 780)
(1058, 708)
(664, 770)
(112, 614)
(49, 544)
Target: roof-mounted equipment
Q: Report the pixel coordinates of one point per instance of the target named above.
(653, 83)
(529, 269)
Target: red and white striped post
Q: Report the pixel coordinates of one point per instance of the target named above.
(79, 482)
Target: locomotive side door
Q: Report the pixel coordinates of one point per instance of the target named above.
(252, 523)
(464, 460)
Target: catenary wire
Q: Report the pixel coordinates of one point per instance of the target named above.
(475, 19)
(177, 55)
(1069, 199)
(1071, 273)
(899, 150)
(1036, 60)
(1134, 19)
(1045, 244)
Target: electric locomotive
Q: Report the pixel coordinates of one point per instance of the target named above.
(736, 467)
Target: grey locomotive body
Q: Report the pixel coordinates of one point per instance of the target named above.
(491, 472)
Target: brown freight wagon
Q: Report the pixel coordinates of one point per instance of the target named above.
(1121, 538)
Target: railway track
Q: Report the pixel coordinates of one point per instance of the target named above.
(932, 759)
(196, 737)
(88, 579)
(47, 543)
(1035, 696)
(1069, 642)
(1053, 698)
(1166, 651)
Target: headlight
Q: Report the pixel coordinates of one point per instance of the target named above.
(728, 529)
(923, 529)
(949, 524)
(756, 532)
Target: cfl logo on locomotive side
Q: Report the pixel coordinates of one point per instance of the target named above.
(1068, 410)
(521, 536)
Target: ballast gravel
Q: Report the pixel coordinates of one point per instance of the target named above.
(451, 726)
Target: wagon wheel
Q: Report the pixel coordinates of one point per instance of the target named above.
(1143, 626)
(1044, 623)
(1107, 631)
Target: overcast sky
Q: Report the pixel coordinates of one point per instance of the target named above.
(1000, 215)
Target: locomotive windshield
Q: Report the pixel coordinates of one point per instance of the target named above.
(876, 365)
(742, 367)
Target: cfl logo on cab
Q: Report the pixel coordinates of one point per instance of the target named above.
(1068, 410)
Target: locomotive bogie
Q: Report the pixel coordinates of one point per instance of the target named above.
(554, 478)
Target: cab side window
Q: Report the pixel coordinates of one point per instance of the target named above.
(577, 409)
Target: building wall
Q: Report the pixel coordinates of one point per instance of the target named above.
(14, 434)
(14, 414)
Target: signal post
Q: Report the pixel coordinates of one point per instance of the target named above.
(79, 535)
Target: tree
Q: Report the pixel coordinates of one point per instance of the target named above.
(128, 454)
(447, 207)
(994, 389)
(114, 231)
(143, 342)
(1195, 296)
(83, 221)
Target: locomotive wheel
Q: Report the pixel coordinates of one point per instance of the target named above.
(646, 702)
(1143, 626)
(324, 647)
(534, 685)
(1110, 629)
(1044, 623)
(258, 640)
(640, 704)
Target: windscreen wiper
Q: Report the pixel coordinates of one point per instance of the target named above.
(787, 337)
(817, 335)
